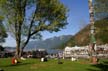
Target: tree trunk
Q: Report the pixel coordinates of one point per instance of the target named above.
(21, 52)
(22, 48)
(17, 51)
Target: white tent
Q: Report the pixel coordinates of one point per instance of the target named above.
(76, 48)
(68, 48)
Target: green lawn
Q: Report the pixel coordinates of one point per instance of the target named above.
(52, 65)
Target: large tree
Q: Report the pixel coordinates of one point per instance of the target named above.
(26, 19)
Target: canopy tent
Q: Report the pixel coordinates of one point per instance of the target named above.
(75, 48)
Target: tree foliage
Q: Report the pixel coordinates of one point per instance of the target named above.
(26, 19)
(101, 9)
(102, 30)
(3, 33)
(1, 48)
(101, 14)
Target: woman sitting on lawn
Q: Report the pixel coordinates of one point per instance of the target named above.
(14, 60)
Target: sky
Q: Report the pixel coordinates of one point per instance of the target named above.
(78, 16)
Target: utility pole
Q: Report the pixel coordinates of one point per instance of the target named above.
(92, 33)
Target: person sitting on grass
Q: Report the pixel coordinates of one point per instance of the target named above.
(15, 60)
(43, 59)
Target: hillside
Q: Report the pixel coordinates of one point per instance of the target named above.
(48, 44)
(83, 37)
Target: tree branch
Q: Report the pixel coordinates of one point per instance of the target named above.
(29, 31)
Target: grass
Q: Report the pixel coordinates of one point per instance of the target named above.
(52, 65)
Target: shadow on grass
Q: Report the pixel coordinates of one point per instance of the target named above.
(19, 64)
(100, 67)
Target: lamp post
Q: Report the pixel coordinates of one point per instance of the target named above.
(92, 32)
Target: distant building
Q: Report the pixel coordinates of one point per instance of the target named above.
(39, 53)
(83, 52)
(75, 51)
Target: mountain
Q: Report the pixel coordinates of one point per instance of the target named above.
(48, 44)
(101, 33)
(10, 49)
(82, 38)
